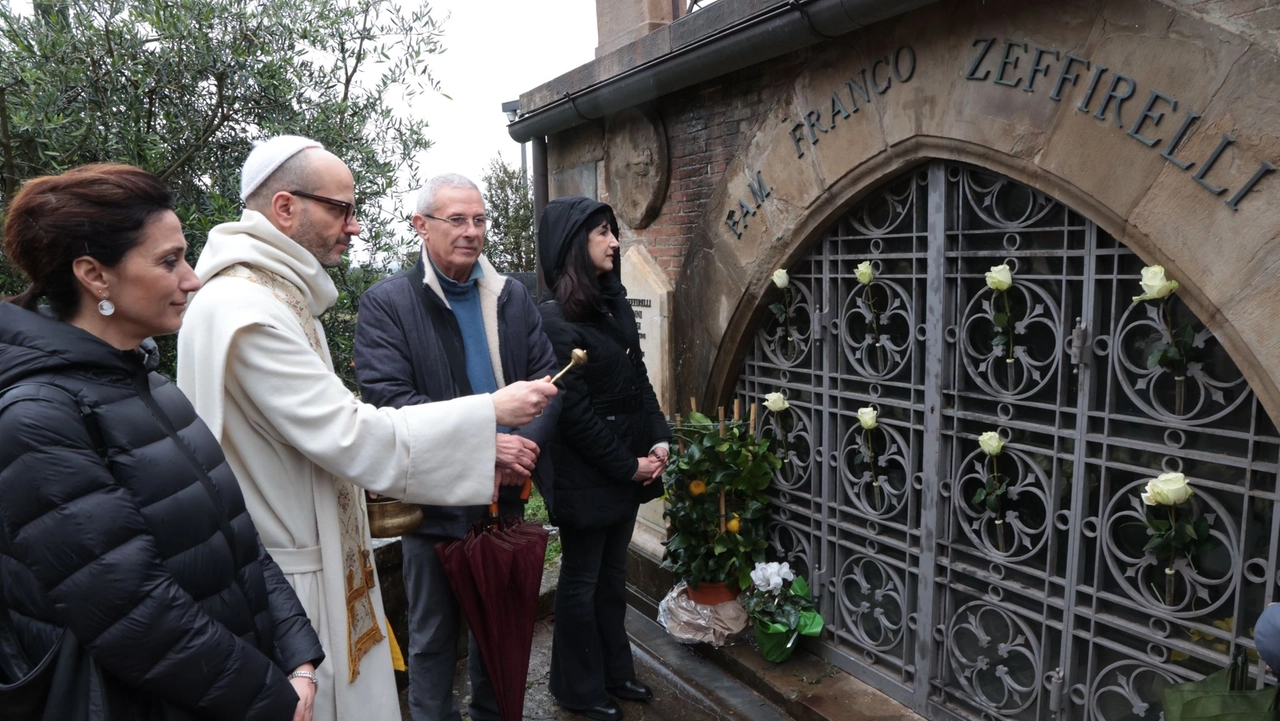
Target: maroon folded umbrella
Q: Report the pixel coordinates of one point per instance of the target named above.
(496, 574)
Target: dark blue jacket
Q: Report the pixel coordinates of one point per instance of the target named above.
(400, 362)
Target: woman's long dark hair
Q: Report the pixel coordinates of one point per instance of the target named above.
(95, 210)
(578, 290)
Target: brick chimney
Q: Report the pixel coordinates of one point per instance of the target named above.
(620, 22)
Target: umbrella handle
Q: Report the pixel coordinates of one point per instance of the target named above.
(524, 496)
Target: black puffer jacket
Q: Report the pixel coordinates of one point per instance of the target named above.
(130, 553)
(610, 414)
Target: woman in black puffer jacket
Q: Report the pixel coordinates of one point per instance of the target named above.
(121, 524)
(610, 450)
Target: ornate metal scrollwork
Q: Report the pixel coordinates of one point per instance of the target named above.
(1024, 523)
(1128, 689)
(1016, 369)
(1154, 389)
(995, 657)
(871, 602)
(1199, 588)
(1002, 202)
(788, 349)
(883, 211)
(880, 492)
(878, 347)
(796, 451)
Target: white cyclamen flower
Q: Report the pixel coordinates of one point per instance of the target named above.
(868, 418)
(776, 402)
(991, 443)
(768, 577)
(1167, 489)
(999, 277)
(781, 279)
(864, 273)
(1154, 284)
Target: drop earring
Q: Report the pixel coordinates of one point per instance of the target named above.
(106, 307)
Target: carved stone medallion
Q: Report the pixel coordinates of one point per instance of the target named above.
(636, 166)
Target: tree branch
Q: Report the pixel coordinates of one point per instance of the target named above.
(221, 116)
(6, 142)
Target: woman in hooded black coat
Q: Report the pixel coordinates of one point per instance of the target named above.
(609, 454)
(127, 557)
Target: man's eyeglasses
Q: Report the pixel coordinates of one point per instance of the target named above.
(348, 209)
(460, 221)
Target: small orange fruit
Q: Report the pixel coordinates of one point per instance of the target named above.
(733, 525)
(697, 488)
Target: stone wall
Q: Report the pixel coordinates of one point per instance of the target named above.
(983, 81)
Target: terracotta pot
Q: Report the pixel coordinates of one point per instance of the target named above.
(389, 518)
(709, 594)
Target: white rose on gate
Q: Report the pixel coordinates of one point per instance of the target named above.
(1154, 284)
(776, 402)
(868, 418)
(1167, 489)
(1000, 277)
(781, 279)
(864, 273)
(991, 443)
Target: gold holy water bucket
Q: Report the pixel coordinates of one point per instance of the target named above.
(389, 518)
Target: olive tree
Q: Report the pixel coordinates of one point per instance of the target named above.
(183, 87)
(508, 201)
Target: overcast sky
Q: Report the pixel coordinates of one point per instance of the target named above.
(494, 51)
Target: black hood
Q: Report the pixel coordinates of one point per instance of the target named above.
(32, 343)
(561, 221)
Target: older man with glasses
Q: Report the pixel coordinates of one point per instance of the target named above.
(449, 327)
(254, 360)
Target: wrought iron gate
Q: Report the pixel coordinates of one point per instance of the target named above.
(1052, 609)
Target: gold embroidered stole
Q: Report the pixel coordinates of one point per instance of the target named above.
(363, 631)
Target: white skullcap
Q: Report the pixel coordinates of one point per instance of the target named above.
(266, 156)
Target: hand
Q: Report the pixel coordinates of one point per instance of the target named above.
(517, 454)
(505, 477)
(522, 401)
(645, 470)
(306, 694)
(661, 457)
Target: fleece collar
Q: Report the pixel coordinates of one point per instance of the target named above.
(490, 284)
(255, 241)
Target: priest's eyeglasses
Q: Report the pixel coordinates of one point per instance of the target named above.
(348, 209)
(460, 221)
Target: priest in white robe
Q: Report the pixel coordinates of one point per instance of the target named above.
(253, 359)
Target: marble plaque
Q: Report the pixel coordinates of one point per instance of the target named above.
(649, 291)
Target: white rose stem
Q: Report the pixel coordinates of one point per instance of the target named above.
(995, 470)
(871, 461)
(875, 325)
(1179, 381)
(1168, 572)
(1008, 326)
(720, 410)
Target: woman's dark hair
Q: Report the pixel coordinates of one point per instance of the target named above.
(578, 289)
(94, 210)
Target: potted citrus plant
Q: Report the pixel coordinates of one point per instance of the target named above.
(716, 507)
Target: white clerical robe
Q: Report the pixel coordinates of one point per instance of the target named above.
(290, 429)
